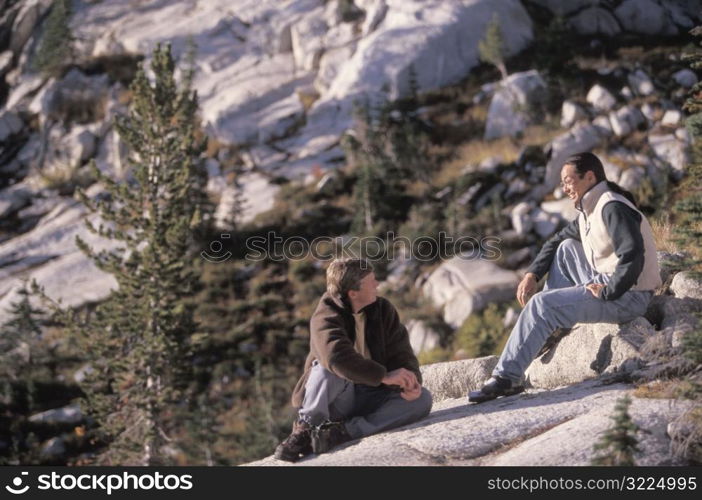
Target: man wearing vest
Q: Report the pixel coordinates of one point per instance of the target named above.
(602, 268)
(361, 375)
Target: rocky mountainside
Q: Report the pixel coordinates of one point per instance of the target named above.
(278, 82)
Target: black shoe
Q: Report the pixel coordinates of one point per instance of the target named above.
(329, 435)
(494, 388)
(297, 445)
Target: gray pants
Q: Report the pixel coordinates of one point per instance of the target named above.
(365, 409)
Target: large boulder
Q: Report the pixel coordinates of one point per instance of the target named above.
(603, 126)
(600, 98)
(67, 415)
(555, 427)
(13, 199)
(515, 104)
(81, 144)
(686, 285)
(454, 379)
(21, 93)
(280, 118)
(307, 37)
(54, 448)
(421, 336)
(28, 17)
(685, 77)
(10, 124)
(595, 21)
(330, 64)
(582, 137)
(571, 113)
(563, 208)
(252, 195)
(625, 120)
(590, 350)
(632, 177)
(671, 150)
(247, 64)
(76, 97)
(641, 83)
(376, 11)
(521, 220)
(545, 223)
(464, 285)
(666, 310)
(647, 17)
(561, 8)
(5, 62)
(407, 41)
(571, 442)
(48, 253)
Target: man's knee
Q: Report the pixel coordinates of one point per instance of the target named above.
(422, 405)
(320, 376)
(568, 246)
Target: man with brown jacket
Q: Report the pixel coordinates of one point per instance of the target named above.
(361, 375)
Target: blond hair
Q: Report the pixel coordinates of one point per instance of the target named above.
(346, 274)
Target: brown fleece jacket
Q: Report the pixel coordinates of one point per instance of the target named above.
(332, 335)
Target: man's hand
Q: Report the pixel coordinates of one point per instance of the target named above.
(526, 288)
(595, 289)
(402, 377)
(412, 393)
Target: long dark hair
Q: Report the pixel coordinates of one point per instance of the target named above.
(588, 162)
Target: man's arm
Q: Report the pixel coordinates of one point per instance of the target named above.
(542, 262)
(400, 353)
(624, 228)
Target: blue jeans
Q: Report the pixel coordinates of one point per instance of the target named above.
(564, 302)
(365, 409)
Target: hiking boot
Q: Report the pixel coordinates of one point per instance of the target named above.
(329, 435)
(494, 388)
(553, 340)
(297, 445)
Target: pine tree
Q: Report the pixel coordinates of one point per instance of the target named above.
(21, 358)
(688, 210)
(618, 444)
(387, 151)
(139, 338)
(366, 150)
(554, 48)
(688, 214)
(492, 49)
(19, 333)
(54, 49)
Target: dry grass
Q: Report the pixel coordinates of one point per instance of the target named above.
(658, 389)
(663, 233)
(307, 96)
(686, 435)
(124, 97)
(507, 148)
(477, 113)
(213, 147)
